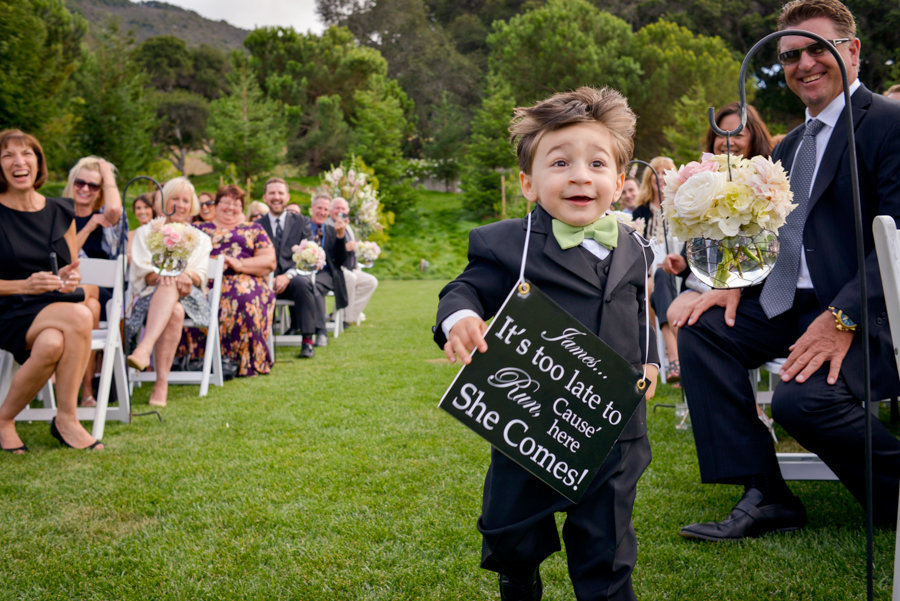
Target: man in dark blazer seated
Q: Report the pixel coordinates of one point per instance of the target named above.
(287, 229)
(808, 308)
(330, 277)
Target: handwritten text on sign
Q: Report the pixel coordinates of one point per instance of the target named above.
(547, 393)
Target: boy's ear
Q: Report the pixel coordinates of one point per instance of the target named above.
(620, 184)
(527, 186)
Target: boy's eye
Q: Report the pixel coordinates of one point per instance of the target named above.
(559, 163)
(597, 163)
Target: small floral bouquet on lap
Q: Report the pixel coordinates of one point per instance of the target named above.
(309, 256)
(367, 252)
(729, 210)
(170, 245)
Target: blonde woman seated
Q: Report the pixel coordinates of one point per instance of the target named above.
(163, 301)
(100, 227)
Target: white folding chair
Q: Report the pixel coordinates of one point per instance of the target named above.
(281, 322)
(212, 354)
(106, 273)
(887, 248)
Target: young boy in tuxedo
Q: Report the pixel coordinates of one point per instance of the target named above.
(573, 149)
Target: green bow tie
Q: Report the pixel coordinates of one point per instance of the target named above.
(605, 231)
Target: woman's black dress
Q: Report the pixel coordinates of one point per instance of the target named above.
(26, 240)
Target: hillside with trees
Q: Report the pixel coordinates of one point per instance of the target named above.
(412, 88)
(150, 19)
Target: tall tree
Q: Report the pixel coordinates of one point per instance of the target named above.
(420, 54)
(675, 62)
(182, 118)
(296, 70)
(246, 128)
(40, 46)
(380, 126)
(560, 46)
(488, 155)
(116, 117)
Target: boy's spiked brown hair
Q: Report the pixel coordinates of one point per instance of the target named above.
(584, 105)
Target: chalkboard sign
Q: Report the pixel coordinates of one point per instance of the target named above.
(547, 393)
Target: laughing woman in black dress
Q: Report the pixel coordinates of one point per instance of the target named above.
(42, 321)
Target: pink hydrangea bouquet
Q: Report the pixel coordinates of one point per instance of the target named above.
(367, 252)
(309, 256)
(735, 202)
(171, 244)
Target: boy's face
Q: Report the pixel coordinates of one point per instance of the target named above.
(573, 175)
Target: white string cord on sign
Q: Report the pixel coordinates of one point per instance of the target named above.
(525, 252)
(645, 245)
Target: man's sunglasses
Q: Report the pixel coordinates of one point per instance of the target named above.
(80, 183)
(790, 57)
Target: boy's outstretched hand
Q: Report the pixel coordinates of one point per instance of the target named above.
(466, 334)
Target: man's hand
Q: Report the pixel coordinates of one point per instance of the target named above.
(466, 334)
(674, 264)
(280, 283)
(820, 342)
(713, 298)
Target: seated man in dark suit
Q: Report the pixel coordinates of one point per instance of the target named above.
(330, 277)
(808, 307)
(287, 229)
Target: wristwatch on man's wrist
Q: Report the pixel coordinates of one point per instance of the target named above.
(842, 321)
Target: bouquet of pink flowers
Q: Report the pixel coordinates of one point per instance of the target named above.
(309, 256)
(728, 209)
(702, 201)
(171, 244)
(367, 252)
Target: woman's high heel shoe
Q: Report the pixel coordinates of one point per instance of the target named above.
(55, 432)
(16, 450)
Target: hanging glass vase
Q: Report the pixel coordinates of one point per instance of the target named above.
(733, 262)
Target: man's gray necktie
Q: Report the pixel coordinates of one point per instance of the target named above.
(777, 295)
(278, 232)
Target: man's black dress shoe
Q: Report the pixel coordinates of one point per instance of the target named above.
(307, 351)
(521, 589)
(751, 518)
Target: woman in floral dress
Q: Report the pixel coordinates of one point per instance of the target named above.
(247, 303)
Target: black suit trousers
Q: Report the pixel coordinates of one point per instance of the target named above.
(519, 530)
(303, 313)
(732, 444)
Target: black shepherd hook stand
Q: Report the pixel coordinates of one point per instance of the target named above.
(126, 342)
(860, 252)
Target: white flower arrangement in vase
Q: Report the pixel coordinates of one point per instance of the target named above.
(309, 257)
(729, 210)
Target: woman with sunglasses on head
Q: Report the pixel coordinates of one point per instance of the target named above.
(101, 229)
(43, 321)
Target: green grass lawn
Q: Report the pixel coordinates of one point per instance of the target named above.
(339, 478)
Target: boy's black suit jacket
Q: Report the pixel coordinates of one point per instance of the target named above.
(615, 313)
